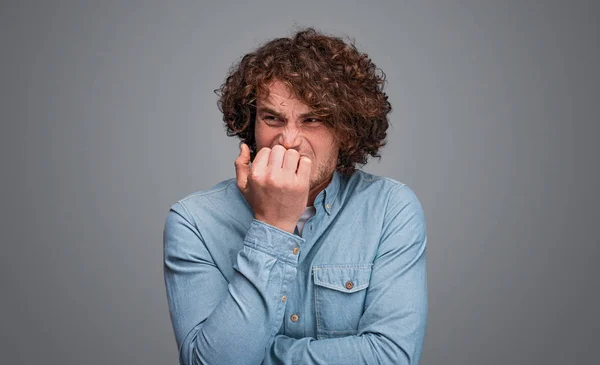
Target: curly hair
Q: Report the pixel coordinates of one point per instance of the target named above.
(341, 84)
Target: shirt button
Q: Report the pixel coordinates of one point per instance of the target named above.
(283, 298)
(295, 250)
(349, 285)
(294, 318)
(328, 206)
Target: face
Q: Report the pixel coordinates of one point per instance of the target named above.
(282, 119)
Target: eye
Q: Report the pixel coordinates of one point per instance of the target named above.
(312, 120)
(271, 119)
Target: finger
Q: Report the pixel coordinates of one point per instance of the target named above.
(262, 159)
(242, 166)
(304, 168)
(276, 157)
(290, 160)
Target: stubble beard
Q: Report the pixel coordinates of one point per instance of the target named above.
(324, 173)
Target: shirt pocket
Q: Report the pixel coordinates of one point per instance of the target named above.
(339, 298)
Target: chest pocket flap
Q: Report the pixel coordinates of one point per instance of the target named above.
(343, 278)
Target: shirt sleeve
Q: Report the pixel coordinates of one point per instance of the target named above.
(392, 327)
(221, 322)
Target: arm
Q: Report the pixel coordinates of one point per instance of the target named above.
(217, 322)
(392, 327)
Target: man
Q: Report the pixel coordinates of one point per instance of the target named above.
(302, 258)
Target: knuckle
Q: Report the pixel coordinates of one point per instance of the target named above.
(255, 175)
(273, 181)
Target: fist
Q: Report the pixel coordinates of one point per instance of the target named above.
(275, 185)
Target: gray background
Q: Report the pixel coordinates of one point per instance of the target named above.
(109, 116)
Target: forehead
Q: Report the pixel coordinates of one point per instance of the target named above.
(278, 95)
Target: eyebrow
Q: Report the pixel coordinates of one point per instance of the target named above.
(264, 109)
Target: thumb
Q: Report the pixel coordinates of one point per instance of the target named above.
(242, 167)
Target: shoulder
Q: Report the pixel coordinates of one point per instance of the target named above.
(215, 191)
(395, 197)
(224, 193)
(361, 182)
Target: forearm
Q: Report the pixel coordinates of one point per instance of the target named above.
(367, 349)
(217, 322)
(247, 318)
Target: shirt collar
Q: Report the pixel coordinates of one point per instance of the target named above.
(327, 197)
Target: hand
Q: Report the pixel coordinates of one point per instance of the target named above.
(276, 185)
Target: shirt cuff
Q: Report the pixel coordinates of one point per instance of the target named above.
(274, 241)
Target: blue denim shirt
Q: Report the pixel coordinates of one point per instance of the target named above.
(351, 290)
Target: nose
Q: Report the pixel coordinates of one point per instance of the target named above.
(290, 137)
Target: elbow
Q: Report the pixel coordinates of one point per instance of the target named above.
(189, 350)
(387, 351)
(200, 349)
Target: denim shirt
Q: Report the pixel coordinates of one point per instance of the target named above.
(351, 290)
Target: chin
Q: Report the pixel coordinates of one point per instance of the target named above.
(319, 179)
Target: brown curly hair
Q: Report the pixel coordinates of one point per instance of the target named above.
(332, 77)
